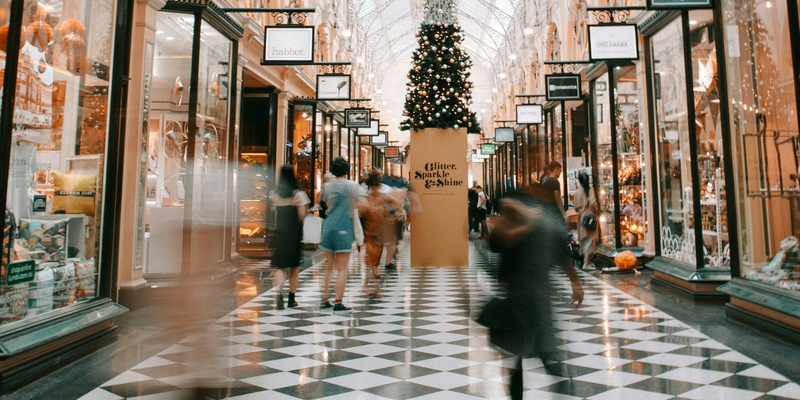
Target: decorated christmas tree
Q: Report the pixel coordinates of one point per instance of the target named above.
(439, 91)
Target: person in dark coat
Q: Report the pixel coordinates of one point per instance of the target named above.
(291, 206)
(530, 238)
(472, 194)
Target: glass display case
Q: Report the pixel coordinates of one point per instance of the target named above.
(256, 213)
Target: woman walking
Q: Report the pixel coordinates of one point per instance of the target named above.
(291, 206)
(531, 241)
(586, 206)
(381, 213)
(342, 196)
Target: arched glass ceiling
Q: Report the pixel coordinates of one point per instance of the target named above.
(391, 25)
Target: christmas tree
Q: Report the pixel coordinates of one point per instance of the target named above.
(439, 91)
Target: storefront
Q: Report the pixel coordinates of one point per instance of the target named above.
(690, 226)
(761, 49)
(60, 117)
(190, 208)
(617, 160)
(256, 173)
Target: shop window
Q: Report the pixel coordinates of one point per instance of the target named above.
(672, 144)
(302, 146)
(764, 132)
(55, 183)
(708, 125)
(605, 171)
(632, 218)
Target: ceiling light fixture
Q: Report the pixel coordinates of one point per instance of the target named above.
(512, 56)
(527, 31)
(501, 75)
(346, 32)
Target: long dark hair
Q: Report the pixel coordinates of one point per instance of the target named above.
(583, 179)
(287, 183)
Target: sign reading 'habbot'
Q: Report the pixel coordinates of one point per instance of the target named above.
(288, 45)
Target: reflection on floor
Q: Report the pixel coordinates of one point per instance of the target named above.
(419, 341)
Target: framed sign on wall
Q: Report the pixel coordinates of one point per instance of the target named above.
(529, 114)
(379, 139)
(333, 87)
(503, 134)
(487, 148)
(613, 42)
(562, 87)
(372, 130)
(678, 4)
(287, 45)
(356, 118)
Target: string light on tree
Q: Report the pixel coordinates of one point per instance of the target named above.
(442, 67)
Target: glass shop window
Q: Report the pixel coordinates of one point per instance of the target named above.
(55, 183)
(766, 141)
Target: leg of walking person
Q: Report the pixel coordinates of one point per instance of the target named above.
(342, 259)
(294, 278)
(515, 386)
(326, 281)
(278, 278)
(371, 259)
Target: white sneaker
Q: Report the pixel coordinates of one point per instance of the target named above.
(588, 268)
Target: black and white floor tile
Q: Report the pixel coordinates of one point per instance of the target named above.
(419, 341)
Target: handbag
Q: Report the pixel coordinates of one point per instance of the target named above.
(589, 222)
(358, 230)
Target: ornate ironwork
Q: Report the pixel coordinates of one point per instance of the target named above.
(566, 67)
(333, 68)
(290, 18)
(608, 15)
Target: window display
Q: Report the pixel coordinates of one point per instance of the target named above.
(763, 116)
(187, 147)
(632, 218)
(605, 171)
(714, 212)
(54, 200)
(672, 145)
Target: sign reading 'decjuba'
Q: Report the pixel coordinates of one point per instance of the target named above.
(284, 45)
(613, 42)
(437, 175)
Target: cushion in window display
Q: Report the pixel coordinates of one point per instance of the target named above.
(42, 239)
(74, 193)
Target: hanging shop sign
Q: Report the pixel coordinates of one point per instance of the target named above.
(372, 130)
(503, 134)
(608, 42)
(392, 152)
(379, 139)
(529, 114)
(487, 149)
(562, 87)
(677, 4)
(287, 45)
(476, 158)
(356, 118)
(333, 87)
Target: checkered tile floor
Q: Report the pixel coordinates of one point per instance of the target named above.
(419, 341)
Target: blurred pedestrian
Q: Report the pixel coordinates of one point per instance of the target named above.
(586, 206)
(531, 242)
(472, 198)
(381, 212)
(291, 206)
(342, 196)
(550, 182)
(323, 207)
(483, 212)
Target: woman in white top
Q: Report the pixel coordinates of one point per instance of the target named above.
(585, 205)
